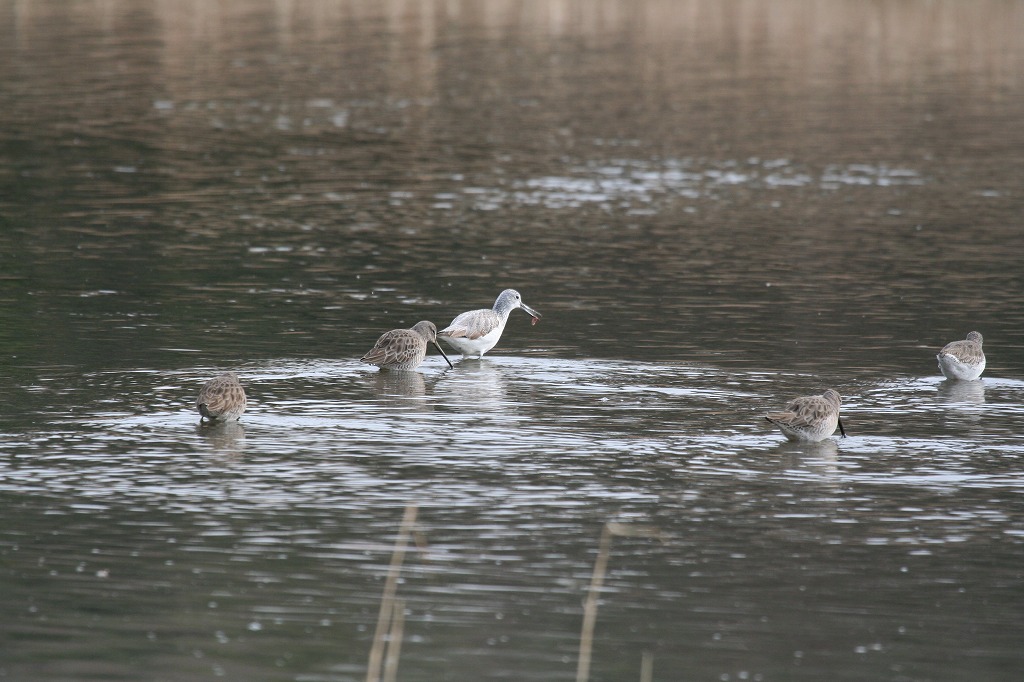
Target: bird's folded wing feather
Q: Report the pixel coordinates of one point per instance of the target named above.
(393, 346)
(471, 325)
(799, 412)
(218, 398)
(964, 351)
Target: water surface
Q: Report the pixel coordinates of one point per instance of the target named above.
(716, 206)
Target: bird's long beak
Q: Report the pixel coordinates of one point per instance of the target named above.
(438, 347)
(529, 310)
(841, 429)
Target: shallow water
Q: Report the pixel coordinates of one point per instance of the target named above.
(716, 207)
(136, 536)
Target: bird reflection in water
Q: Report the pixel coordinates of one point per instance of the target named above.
(964, 401)
(818, 458)
(477, 384)
(962, 392)
(224, 438)
(403, 388)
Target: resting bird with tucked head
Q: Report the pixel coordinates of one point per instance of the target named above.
(811, 418)
(964, 360)
(221, 398)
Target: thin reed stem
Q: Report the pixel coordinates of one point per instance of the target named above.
(394, 641)
(647, 666)
(590, 606)
(387, 599)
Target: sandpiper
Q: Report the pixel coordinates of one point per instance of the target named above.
(221, 398)
(475, 332)
(404, 348)
(963, 360)
(811, 418)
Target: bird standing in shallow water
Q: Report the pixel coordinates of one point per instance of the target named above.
(963, 360)
(404, 348)
(811, 418)
(477, 331)
(221, 398)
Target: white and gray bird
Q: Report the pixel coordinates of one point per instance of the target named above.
(477, 331)
(964, 360)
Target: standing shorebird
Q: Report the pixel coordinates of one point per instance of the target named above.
(811, 418)
(404, 348)
(221, 398)
(475, 332)
(963, 360)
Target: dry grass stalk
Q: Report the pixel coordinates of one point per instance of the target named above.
(394, 641)
(647, 667)
(390, 611)
(611, 528)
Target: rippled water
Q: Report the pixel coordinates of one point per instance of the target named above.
(246, 548)
(716, 207)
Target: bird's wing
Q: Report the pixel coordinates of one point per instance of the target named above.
(800, 411)
(395, 346)
(219, 396)
(810, 410)
(472, 325)
(964, 351)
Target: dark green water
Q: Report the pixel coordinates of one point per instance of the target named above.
(716, 206)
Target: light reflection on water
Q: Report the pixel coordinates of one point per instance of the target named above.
(273, 533)
(282, 520)
(717, 208)
(635, 183)
(520, 415)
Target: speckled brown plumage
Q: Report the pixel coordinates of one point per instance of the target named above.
(811, 418)
(404, 348)
(963, 360)
(221, 398)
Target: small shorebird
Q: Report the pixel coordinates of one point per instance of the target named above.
(221, 398)
(811, 418)
(963, 359)
(404, 348)
(475, 332)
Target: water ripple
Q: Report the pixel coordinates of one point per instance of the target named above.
(638, 184)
